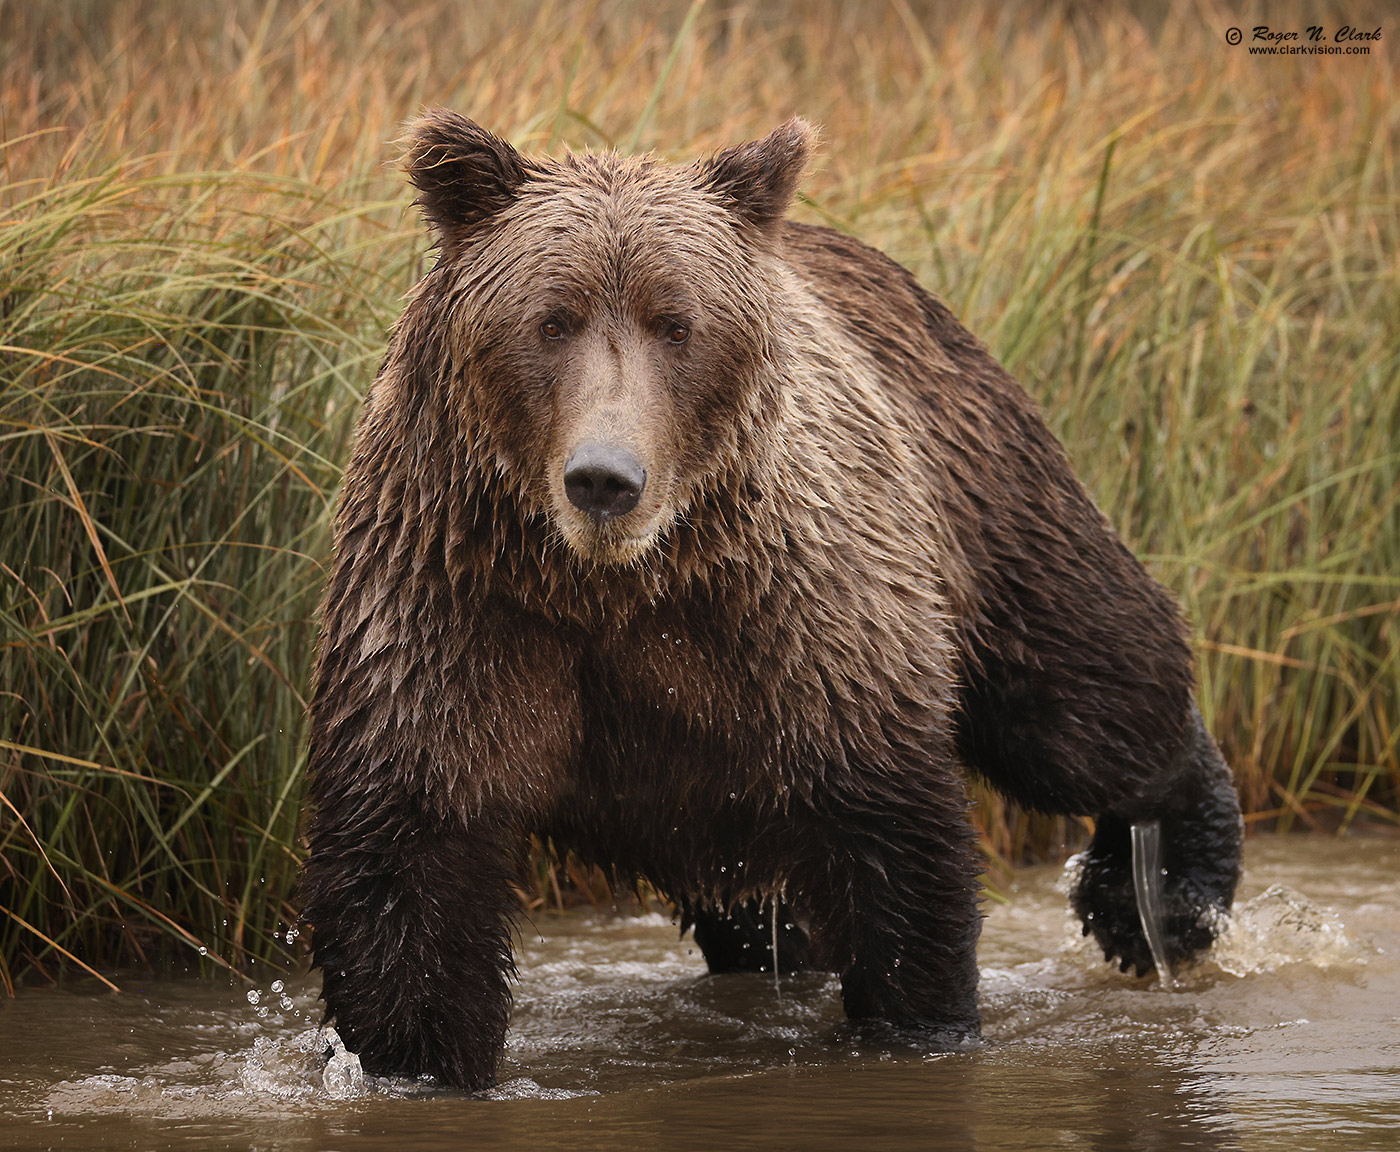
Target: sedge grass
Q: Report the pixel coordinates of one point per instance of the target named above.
(1188, 254)
(179, 386)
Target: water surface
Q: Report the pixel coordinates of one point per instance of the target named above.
(1287, 1037)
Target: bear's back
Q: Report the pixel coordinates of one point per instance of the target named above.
(1042, 590)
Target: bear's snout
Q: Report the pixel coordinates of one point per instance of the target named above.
(604, 480)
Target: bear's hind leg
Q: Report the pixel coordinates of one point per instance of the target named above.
(1199, 813)
(741, 939)
(893, 896)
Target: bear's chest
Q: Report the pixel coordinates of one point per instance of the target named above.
(661, 672)
(670, 685)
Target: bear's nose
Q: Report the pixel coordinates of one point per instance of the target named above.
(604, 480)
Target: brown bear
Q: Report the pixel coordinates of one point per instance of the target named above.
(711, 547)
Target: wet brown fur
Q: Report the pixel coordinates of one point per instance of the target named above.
(859, 563)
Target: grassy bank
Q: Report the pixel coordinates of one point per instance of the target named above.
(1189, 254)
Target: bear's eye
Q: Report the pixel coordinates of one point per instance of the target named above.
(677, 333)
(552, 329)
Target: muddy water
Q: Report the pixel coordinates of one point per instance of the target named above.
(1288, 1037)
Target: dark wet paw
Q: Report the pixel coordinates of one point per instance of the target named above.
(1198, 812)
(1106, 904)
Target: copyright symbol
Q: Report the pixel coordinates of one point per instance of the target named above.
(1233, 36)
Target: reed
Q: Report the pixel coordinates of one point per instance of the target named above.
(1187, 253)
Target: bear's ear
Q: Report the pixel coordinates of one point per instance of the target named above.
(463, 173)
(756, 180)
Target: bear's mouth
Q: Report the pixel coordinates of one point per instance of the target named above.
(614, 543)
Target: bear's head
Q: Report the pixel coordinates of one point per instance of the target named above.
(611, 320)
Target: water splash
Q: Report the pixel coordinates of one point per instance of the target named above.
(1280, 927)
(296, 1067)
(342, 1078)
(523, 1088)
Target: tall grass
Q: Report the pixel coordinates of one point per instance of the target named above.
(179, 384)
(1189, 254)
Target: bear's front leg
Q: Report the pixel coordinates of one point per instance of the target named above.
(412, 920)
(895, 907)
(437, 738)
(1199, 812)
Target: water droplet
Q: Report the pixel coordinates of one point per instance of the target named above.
(722, 868)
(664, 636)
(792, 1051)
(670, 691)
(254, 996)
(277, 985)
(204, 951)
